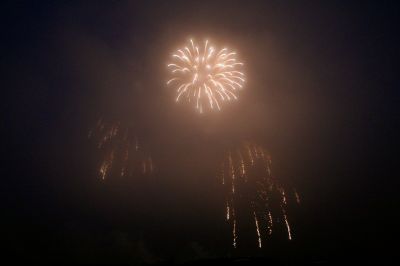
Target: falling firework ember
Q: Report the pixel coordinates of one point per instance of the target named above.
(120, 150)
(205, 75)
(254, 197)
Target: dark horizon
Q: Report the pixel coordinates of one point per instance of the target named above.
(318, 97)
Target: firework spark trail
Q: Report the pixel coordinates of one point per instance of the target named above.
(258, 230)
(105, 166)
(119, 156)
(234, 229)
(297, 196)
(227, 211)
(247, 173)
(269, 226)
(206, 76)
(287, 224)
(223, 176)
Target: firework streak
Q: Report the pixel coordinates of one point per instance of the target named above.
(253, 193)
(120, 150)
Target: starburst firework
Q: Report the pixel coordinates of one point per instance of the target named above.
(205, 75)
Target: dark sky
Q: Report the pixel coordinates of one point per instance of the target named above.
(319, 97)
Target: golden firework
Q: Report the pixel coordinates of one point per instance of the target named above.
(205, 75)
(252, 192)
(120, 152)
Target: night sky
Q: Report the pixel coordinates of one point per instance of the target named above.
(319, 96)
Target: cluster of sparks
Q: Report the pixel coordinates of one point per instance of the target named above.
(121, 153)
(252, 192)
(205, 75)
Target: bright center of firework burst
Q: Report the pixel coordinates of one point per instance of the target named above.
(205, 75)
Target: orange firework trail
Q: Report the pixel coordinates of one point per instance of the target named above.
(205, 75)
(252, 192)
(120, 150)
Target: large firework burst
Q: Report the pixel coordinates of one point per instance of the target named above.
(253, 193)
(205, 75)
(120, 151)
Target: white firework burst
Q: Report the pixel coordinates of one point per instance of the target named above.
(205, 75)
